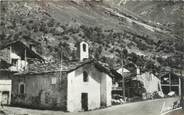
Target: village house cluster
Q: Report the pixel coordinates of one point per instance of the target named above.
(80, 85)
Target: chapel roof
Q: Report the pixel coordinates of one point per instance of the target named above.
(65, 66)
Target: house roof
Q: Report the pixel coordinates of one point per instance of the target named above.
(19, 45)
(69, 66)
(55, 66)
(127, 72)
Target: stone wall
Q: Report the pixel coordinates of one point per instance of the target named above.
(41, 90)
(151, 83)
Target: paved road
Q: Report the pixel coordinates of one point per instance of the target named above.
(152, 107)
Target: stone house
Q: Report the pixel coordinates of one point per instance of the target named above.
(151, 83)
(14, 58)
(136, 82)
(70, 86)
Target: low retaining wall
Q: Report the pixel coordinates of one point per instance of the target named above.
(170, 104)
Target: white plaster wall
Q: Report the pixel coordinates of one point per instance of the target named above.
(76, 86)
(5, 85)
(106, 88)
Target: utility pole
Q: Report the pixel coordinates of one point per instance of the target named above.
(182, 84)
(182, 92)
(123, 81)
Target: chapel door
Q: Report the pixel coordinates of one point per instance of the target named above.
(84, 101)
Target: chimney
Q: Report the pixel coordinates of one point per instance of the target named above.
(83, 51)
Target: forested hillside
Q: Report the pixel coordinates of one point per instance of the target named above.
(58, 26)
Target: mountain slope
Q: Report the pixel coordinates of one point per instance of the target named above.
(168, 13)
(58, 26)
(104, 17)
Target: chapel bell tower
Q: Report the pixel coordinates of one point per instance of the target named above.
(83, 51)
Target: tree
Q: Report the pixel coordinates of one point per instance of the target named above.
(98, 52)
(140, 62)
(132, 57)
(149, 66)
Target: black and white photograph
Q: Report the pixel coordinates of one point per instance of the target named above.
(91, 57)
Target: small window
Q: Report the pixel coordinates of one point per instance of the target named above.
(84, 47)
(14, 62)
(21, 88)
(85, 76)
